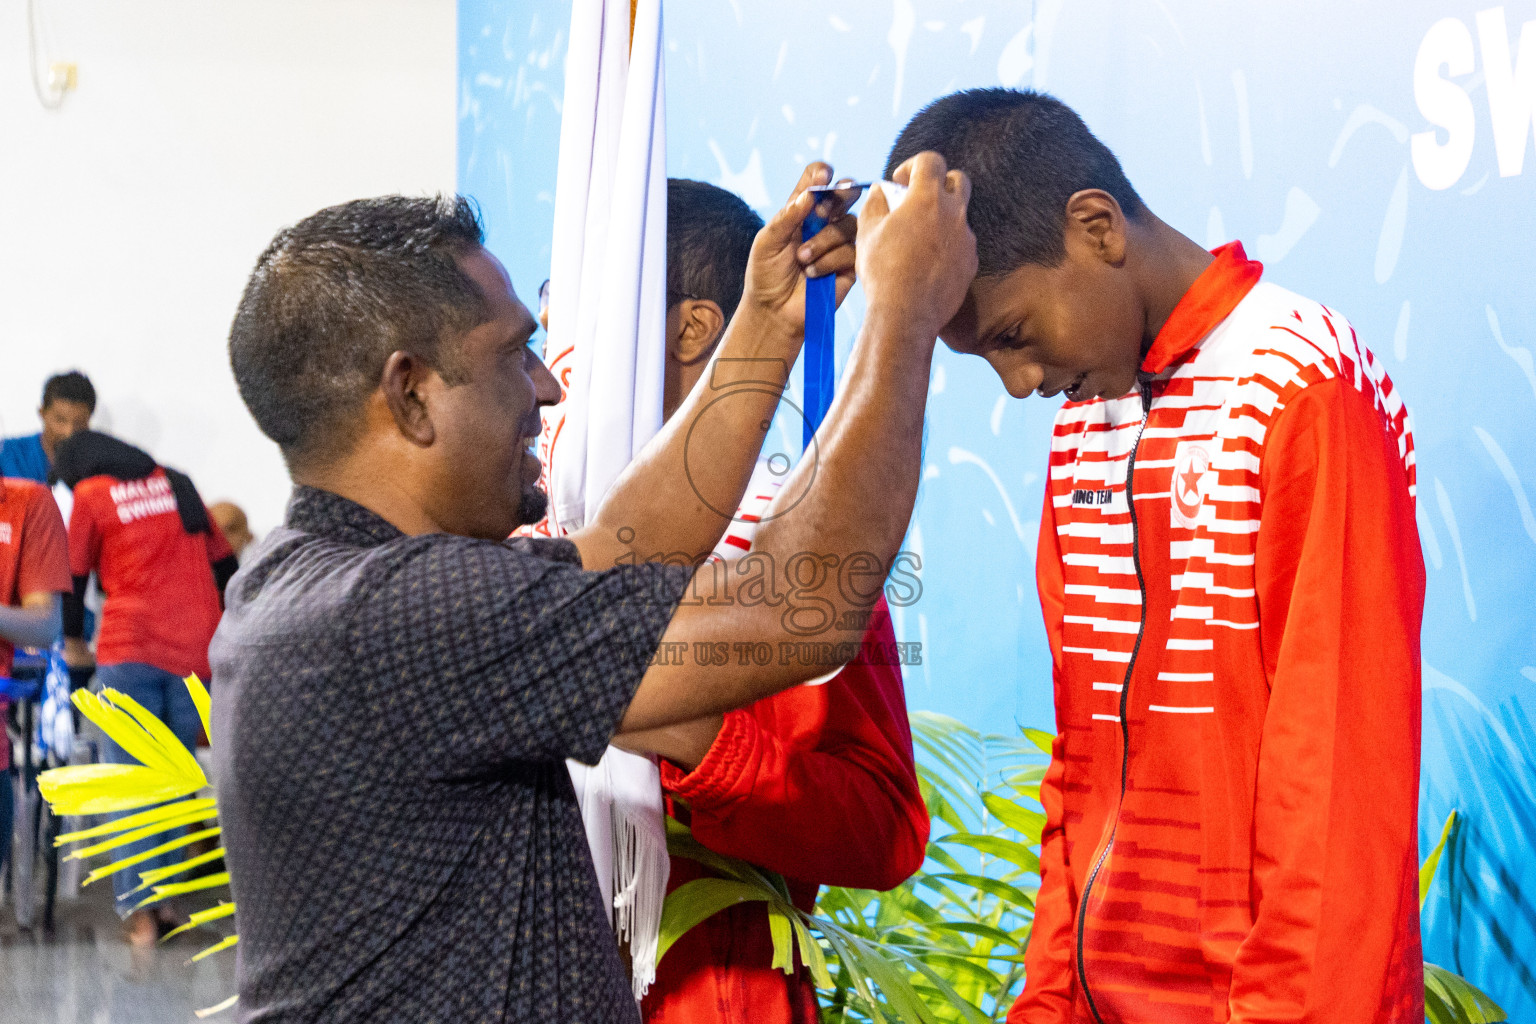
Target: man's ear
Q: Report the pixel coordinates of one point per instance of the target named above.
(405, 383)
(700, 322)
(1097, 221)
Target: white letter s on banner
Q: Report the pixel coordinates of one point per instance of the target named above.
(1443, 103)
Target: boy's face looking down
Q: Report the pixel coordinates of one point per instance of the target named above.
(1076, 327)
(1075, 275)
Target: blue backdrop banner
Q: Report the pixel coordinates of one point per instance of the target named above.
(1378, 158)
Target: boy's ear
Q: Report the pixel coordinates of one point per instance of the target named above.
(700, 322)
(1097, 220)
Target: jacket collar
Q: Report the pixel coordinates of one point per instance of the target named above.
(1215, 293)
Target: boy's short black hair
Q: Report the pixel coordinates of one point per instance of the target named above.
(709, 237)
(334, 295)
(72, 386)
(1026, 154)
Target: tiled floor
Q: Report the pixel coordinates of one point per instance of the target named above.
(86, 972)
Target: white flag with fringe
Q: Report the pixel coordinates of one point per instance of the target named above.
(607, 347)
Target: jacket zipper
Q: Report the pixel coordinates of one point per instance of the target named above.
(1125, 692)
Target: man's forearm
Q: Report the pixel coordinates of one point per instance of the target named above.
(672, 496)
(858, 493)
(685, 744)
(33, 626)
(853, 500)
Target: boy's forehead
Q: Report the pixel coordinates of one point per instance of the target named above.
(67, 407)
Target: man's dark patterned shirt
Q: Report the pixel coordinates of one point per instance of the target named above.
(391, 717)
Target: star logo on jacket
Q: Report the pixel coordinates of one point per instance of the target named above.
(1191, 468)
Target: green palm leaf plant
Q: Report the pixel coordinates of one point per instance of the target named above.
(947, 945)
(967, 914)
(161, 788)
(1450, 998)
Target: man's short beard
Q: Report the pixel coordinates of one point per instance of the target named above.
(533, 506)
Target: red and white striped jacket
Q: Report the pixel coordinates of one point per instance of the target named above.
(1232, 585)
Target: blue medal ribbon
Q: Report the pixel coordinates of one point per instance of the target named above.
(820, 312)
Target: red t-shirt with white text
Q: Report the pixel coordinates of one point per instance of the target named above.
(33, 555)
(162, 605)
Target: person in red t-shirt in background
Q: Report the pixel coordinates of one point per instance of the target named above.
(34, 572)
(163, 564)
(816, 783)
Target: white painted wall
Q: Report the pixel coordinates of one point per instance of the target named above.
(130, 218)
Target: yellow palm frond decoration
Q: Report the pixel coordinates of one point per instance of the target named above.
(165, 782)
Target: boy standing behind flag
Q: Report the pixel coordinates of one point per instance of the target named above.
(817, 782)
(1232, 587)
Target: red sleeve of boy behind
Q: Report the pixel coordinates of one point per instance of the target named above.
(1341, 580)
(816, 783)
(783, 768)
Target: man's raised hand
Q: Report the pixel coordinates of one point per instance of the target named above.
(918, 261)
(780, 262)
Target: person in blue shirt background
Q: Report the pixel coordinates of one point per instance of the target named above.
(69, 401)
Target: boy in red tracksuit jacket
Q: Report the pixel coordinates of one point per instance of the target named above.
(816, 783)
(1232, 586)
